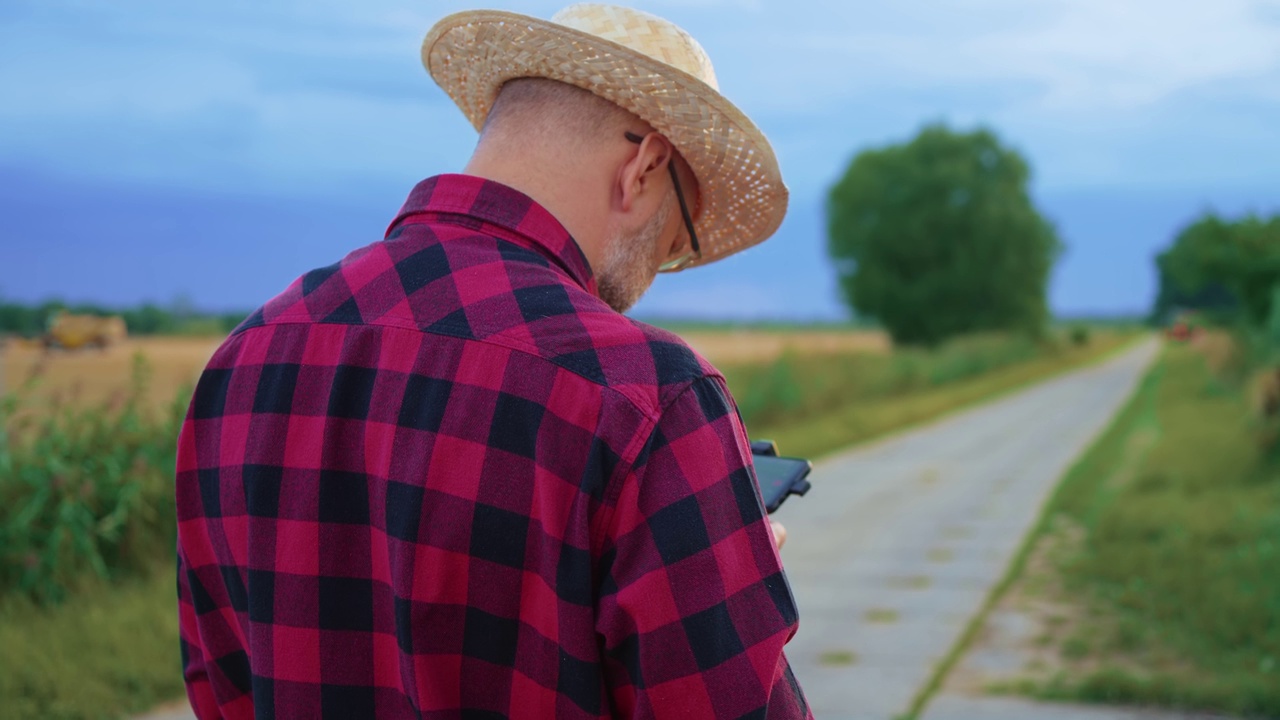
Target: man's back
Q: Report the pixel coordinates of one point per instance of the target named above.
(443, 478)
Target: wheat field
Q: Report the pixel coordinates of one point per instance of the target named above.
(91, 377)
(751, 346)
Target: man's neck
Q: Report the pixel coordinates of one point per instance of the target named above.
(561, 194)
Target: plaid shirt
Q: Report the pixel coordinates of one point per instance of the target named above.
(441, 478)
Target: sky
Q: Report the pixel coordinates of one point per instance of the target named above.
(213, 151)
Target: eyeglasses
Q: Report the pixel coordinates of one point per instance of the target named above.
(695, 253)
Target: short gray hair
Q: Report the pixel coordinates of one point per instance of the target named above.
(542, 106)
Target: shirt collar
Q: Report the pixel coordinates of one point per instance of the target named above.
(507, 212)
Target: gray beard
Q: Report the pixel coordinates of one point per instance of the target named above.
(627, 270)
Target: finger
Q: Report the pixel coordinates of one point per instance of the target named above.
(779, 533)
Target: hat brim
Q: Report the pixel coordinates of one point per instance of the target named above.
(743, 199)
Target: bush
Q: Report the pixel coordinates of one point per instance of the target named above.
(774, 393)
(83, 492)
(796, 387)
(1079, 336)
(1256, 368)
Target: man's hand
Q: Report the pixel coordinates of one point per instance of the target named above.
(779, 533)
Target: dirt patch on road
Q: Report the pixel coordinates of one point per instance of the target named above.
(1017, 645)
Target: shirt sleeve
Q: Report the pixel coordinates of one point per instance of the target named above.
(694, 608)
(194, 670)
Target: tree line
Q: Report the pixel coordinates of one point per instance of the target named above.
(179, 318)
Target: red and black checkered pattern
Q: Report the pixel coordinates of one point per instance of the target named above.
(441, 478)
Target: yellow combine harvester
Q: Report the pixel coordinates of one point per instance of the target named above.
(72, 332)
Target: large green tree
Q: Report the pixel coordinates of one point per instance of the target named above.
(939, 237)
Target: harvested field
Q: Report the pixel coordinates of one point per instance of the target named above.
(745, 346)
(94, 376)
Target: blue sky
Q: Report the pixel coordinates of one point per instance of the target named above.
(151, 149)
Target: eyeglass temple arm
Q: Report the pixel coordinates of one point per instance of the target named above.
(684, 207)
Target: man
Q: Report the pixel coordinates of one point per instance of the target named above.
(445, 477)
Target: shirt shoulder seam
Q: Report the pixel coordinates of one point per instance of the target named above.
(503, 341)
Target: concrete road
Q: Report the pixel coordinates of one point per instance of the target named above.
(898, 544)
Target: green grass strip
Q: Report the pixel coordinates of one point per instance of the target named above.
(860, 422)
(1180, 570)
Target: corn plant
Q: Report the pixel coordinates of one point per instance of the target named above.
(84, 491)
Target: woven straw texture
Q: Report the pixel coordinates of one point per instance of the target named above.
(644, 64)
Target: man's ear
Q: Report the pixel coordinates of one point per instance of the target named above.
(640, 177)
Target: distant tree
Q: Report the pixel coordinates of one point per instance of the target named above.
(27, 320)
(939, 237)
(181, 317)
(20, 320)
(149, 319)
(1227, 268)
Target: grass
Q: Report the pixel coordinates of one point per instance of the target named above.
(817, 405)
(1177, 582)
(84, 491)
(1184, 555)
(109, 651)
(88, 623)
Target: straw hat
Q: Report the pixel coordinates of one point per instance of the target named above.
(644, 64)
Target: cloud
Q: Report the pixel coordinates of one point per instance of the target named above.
(232, 99)
(310, 96)
(1081, 85)
(1084, 54)
(1112, 56)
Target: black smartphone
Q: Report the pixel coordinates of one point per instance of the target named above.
(778, 477)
